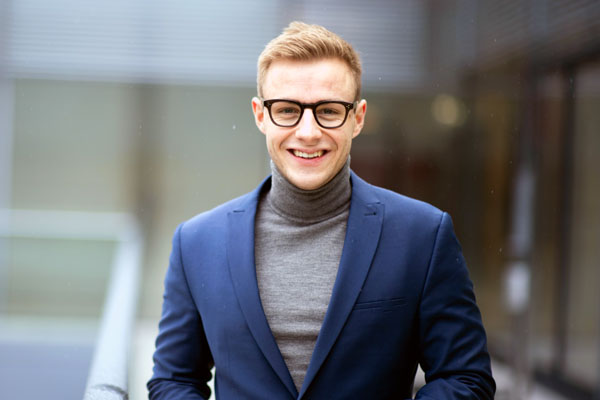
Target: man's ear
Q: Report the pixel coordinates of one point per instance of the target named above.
(259, 113)
(359, 117)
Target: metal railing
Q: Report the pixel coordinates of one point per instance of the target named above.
(108, 375)
(108, 378)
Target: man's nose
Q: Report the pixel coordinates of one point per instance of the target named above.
(308, 129)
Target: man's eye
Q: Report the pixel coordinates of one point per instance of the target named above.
(329, 111)
(286, 111)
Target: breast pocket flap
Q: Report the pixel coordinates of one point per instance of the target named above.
(385, 304)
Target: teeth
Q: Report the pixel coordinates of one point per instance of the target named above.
(308, 155)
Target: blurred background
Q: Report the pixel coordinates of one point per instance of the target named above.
(120, 119)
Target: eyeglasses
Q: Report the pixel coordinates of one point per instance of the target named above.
(328, 114)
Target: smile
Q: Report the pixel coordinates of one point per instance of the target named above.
(302, 154)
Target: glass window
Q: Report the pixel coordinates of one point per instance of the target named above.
(583, 321)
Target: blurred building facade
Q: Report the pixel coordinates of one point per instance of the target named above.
(487, 109)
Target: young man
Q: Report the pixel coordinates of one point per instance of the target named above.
(316, 284)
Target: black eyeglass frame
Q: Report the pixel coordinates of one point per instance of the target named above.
(313, 107)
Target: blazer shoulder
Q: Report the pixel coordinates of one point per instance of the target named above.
(397, 205)
(216, 216)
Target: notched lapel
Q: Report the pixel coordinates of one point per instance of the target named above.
(240, 254)
(362, 237)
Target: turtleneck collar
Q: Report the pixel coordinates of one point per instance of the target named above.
(310, 206)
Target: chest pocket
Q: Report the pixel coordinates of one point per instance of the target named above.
(385, 305)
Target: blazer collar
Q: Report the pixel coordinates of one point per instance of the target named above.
(240, 255)
(362, 236)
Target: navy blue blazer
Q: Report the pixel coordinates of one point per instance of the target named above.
(402, 297)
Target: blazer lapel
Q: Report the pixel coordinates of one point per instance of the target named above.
(240, 253)
(362, 236)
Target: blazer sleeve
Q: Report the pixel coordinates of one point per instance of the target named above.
(453, 350)
(182, 359)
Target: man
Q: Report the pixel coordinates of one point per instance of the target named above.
(317, 285)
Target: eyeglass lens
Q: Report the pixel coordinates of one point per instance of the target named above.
(327, 114)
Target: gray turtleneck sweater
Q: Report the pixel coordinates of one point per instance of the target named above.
(299, 236)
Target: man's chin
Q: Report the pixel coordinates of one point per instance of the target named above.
(307, 182)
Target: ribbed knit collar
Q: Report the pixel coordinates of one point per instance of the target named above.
(310, 206)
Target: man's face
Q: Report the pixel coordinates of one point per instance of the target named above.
(308, 155)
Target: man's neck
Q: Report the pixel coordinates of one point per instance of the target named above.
(310, 205)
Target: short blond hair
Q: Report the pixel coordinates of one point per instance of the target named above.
(304, 42)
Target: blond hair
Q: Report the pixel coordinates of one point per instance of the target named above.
(304, 42)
